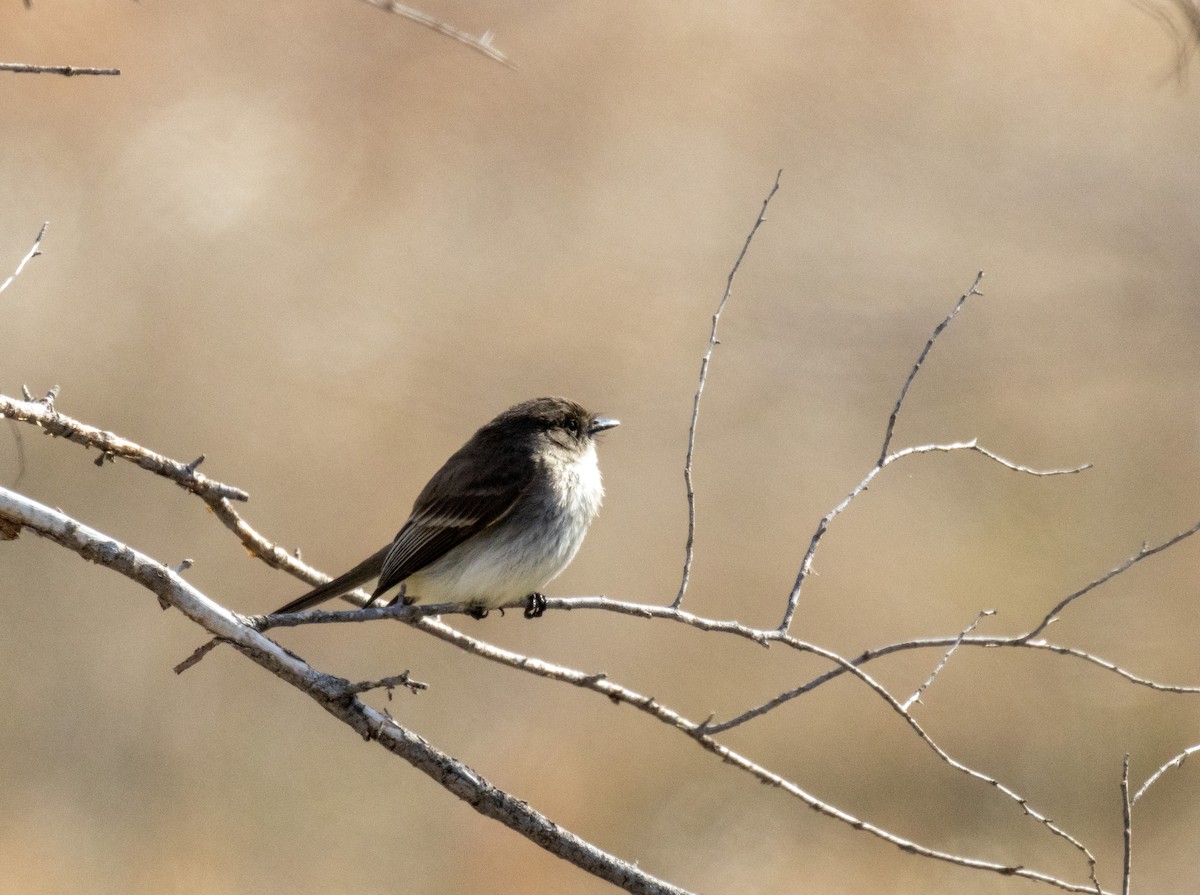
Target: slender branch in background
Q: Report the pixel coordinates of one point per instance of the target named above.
(937, 331)
(1126, 828)
(1175, 762)
(29, 256)
(1186, 36)
(916, 697)
(16, 432)
(884, 459)
(1146, 551)
(482, 44)
(713, 342)
(67, 70)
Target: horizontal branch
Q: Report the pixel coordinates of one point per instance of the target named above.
(67, 70)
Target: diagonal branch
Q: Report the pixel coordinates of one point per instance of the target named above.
(334, 694)
(916, 696)
(339, 697)
(481, 44)
(29, 256)
(1175, 762)
(937, 331)
(1143, 553)
(43, 415)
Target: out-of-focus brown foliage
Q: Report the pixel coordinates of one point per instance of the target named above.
(321, 245)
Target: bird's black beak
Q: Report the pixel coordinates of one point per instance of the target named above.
(601, 423)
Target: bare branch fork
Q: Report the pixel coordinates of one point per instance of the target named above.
(340, 697)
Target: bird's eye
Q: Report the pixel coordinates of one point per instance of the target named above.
(571, 424)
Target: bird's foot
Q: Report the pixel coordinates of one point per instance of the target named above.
(477, 612)
(535, 605)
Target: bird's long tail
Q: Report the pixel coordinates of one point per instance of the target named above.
(366, 570)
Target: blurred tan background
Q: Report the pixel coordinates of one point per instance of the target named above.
(322, 244)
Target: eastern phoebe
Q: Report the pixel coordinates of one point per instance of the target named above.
(498, 521)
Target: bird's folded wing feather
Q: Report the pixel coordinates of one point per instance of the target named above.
(458, 502)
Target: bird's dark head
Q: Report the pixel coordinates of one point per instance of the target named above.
(564, 422)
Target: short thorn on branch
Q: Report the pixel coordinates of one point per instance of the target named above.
(389, 684)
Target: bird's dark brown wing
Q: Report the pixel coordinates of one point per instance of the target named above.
(464, 497)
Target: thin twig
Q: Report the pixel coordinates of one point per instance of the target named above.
(884, 458)
(67, 70)
(891, 424)
(713, 342)
(388, 683)
(916, 697)
(482, 44)
(1143, 553)
(29, 256)
(1175, 762)
(1126, 828)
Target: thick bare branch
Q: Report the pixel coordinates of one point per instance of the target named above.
(334, 694)
(67, 70)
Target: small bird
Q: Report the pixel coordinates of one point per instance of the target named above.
(504, 515)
